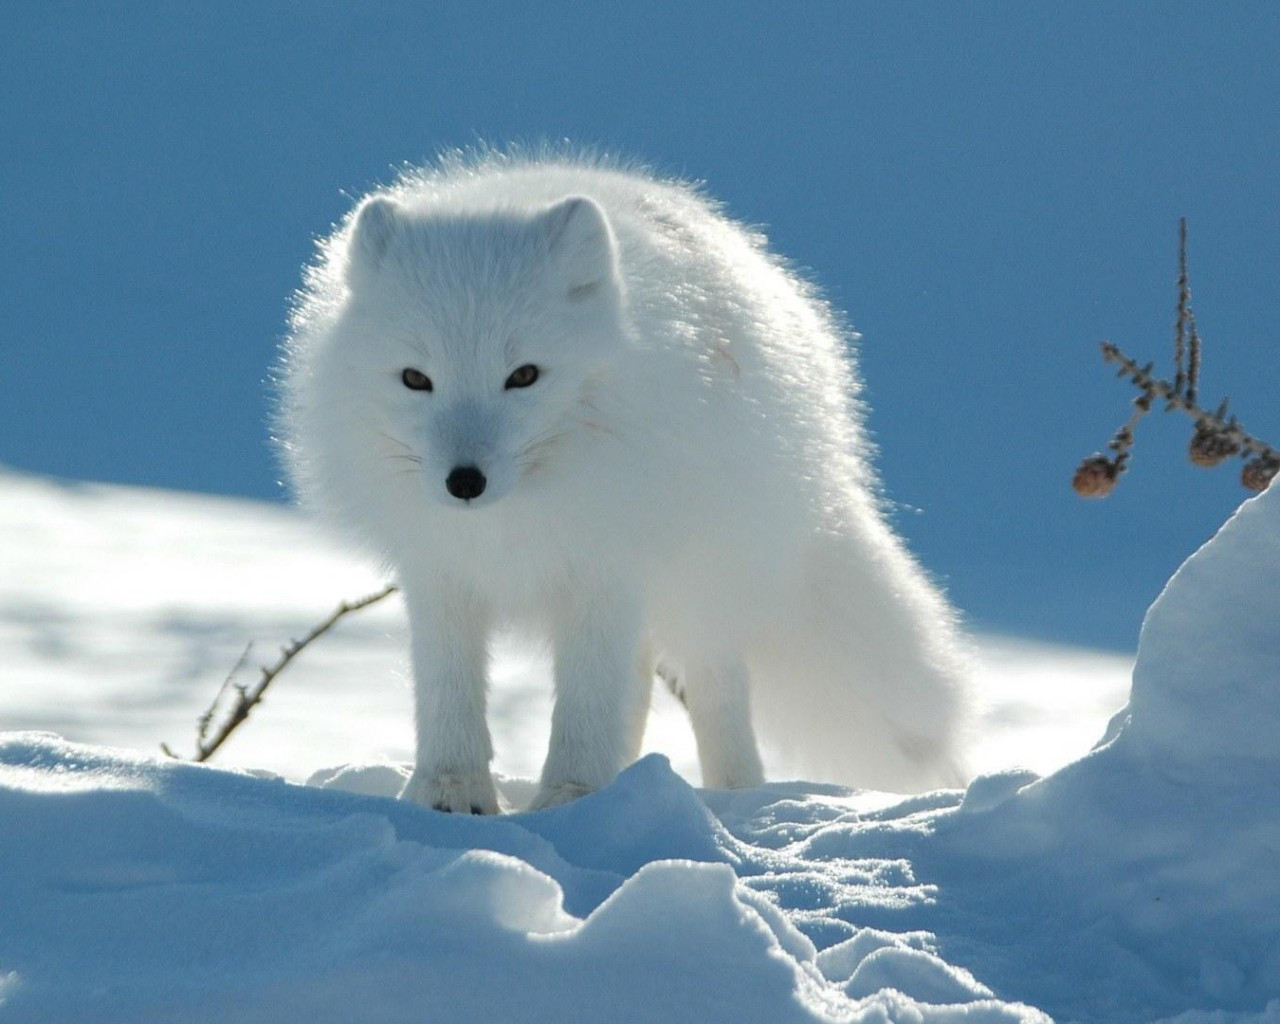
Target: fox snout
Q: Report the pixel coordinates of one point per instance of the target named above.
(465, 482)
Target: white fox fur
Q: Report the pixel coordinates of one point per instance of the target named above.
(683, 487)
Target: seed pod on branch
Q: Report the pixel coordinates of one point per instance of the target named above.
(1096, 477)
(1211, 444)
(1259, 472)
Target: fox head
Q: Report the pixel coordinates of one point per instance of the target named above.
(481, 337)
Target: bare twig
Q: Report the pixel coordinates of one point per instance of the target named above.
(1193, 359)
(1184, 304)
(247, 697)
(1216, 437)
(1230, 428)
(205, 720)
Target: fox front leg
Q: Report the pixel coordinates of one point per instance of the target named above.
(451, 772)
(601, 696)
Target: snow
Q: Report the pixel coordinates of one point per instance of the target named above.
(1135, 882)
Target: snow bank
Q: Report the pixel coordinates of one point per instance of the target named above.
(1207, 682)
(1144, 879)
(142, 890)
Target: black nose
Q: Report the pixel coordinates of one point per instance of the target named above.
(465, 482)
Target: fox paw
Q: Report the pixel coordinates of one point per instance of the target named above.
(554, 796)
(460, 793)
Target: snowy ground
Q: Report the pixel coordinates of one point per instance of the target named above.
(1137, 884)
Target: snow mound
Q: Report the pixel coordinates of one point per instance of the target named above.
(1207, 681)
(1145, 875)
(138, 889)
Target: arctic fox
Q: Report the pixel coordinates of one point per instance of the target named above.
(560, 395)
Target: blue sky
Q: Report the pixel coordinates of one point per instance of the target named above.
(989, 190)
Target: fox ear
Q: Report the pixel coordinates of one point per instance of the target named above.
(581, 244)
(376, 223)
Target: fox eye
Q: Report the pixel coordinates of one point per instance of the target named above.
(416, 380)
(522, 376)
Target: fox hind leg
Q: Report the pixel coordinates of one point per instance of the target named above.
(718, 698)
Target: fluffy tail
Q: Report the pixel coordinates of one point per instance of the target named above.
(868, 685)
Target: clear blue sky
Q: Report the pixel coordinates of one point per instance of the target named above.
(988, 189)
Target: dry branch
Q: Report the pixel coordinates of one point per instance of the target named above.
(1216, 437)
(247, 697)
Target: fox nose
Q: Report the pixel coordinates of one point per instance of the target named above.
(465, 482)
